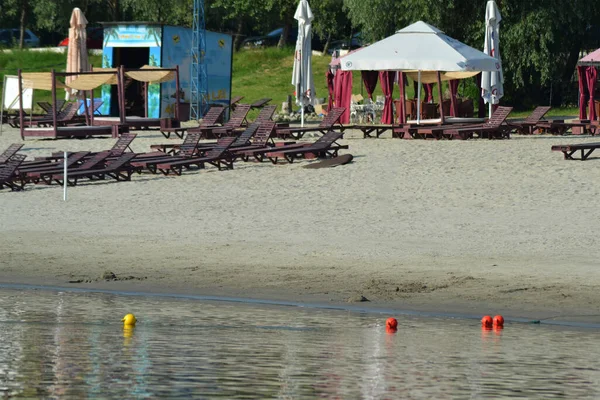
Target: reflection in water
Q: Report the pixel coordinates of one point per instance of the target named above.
(55, 344)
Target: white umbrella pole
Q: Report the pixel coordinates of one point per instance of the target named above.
(65, 176)
(419, 98)
(490, 110)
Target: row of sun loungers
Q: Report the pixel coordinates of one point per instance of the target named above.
(255, 143)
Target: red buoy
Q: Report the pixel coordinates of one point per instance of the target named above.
(499, 321)
(391, 325)
(486, 321)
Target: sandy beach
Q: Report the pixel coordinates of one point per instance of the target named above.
(450, 226)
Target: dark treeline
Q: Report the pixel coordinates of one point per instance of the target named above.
(541, 41)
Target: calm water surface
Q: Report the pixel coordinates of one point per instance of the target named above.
(72, 345)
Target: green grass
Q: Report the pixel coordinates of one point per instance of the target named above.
(34, 61)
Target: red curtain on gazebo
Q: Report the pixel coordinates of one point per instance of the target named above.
(329, 76)
(343, 93)
(453, 84)
(401, 117)
(387, 86)
(369, 79)
(428, 92)
(591, 75)
(581, 73)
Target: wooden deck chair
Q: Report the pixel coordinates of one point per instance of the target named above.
(325, 146)
(260, 103)
(265, 114)
(187, 150)
(529, 125)
(493, 128)
(119, 169)
(33, 174)
(218, 157)
(234, 102)
(236, 121)
(585, 149)
(9, 152)
(97, 161)
(211, 119)
(331, 121)
(9, 174)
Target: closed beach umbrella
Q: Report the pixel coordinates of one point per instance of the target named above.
(492, 88)
(302, 78)
(77, 57)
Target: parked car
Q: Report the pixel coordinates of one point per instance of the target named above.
(272, 39)
(355, 43)
(95, 38)
(10, 38)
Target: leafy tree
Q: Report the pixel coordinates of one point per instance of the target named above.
(240, 14)
(284, 10)
(330, 20)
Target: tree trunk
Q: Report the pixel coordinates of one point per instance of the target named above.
(284, 35)
(326, 46)
(114, 9)
(237, 41)
(22, 21)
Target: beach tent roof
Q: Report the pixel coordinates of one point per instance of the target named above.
(39, 80)
(592, 59)
(423, 47)
(92, 81)
(152, 74)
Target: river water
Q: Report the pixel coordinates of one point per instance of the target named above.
(57, 344)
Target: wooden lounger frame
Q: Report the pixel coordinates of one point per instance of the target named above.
(585, 149)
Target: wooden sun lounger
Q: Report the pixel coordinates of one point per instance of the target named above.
(121, 146)
(234, 102)
(70, 132)
(325, 146)
(63, 117)
(218, 156)
(266, 113)
(119, 169)
(560, 127)
(9, 152)
(260, 103)
(97, 161)
(331, 121)
(236, 121)
(33, 173)
(369, 129)
(47, 107)
(8, 173)
(187, 150)
(263, 140)
(529, 125)
(493, 128)
(585, 149)
(191, 139)
(211, 119)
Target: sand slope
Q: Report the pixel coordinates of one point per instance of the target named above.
(413, 224)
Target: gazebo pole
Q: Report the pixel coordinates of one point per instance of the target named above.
(21, 118)
(54, 99)
(439, 82)
(419, 97)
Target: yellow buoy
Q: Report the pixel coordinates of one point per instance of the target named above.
(129, 320)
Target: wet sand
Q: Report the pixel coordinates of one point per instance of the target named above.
(477, 226)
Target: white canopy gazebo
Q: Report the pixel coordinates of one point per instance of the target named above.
(421, 49)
